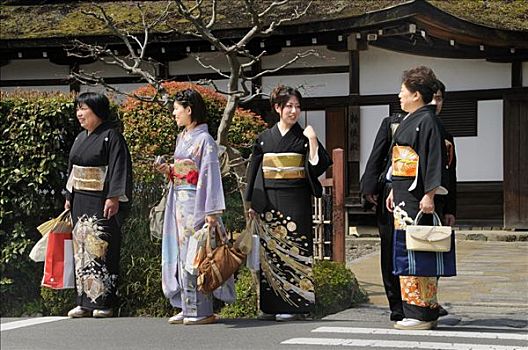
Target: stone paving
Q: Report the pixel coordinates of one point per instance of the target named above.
(491, 286)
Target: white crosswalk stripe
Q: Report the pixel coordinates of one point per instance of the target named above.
(411, 342)
(29, 322)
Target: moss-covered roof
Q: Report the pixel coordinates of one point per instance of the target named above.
(66, 20)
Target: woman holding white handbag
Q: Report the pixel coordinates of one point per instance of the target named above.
(418, 175)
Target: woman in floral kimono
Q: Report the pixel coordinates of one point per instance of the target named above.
(283, 175)
(195, 197)
(99, 193)
(418, 175)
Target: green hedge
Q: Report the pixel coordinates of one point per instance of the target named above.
(37, 131)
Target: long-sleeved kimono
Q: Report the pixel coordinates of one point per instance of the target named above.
(195, 191)
(100, 167)
(281, 182)
(419, 160)
(374, 182)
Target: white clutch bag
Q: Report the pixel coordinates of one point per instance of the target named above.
(436, 238)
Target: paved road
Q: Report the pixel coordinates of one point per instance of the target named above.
(361, 328)
(488, 305)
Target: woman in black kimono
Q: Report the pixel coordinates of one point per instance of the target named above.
(282, 177)
(418, 174)
(99, 191)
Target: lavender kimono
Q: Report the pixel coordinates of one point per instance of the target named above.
(195, 191)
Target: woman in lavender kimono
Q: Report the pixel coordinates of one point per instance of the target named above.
(195, 197)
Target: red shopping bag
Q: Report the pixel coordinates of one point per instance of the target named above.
(59, 266)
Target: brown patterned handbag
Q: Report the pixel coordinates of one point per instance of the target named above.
(219, 263)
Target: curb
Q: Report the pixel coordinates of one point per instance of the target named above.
(369, 232)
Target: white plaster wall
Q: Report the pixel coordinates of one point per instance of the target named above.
(189, 65)
(480, 158)
(381, 72)
(525, 73)
(128, 88)
(369, 123)
(323, 58)
(335, 84)
(109, 70)
(51, 88)
(33, 69)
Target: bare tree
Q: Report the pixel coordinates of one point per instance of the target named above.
(263, 17)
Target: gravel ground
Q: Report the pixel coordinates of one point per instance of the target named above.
(358, 247)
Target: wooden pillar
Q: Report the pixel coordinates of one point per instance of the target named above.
(338, 215)
(353, 151)
(75, 86)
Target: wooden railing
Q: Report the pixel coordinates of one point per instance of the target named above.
(330, 215)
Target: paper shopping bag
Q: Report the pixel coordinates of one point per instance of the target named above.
(59, 265)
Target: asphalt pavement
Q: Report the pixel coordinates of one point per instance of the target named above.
(487, 304)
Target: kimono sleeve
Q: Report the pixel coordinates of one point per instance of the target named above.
(209, 189)
(433, 157)
(377, 160)
(314, 171)
(119, 175)
(450, 207)
(255, 162)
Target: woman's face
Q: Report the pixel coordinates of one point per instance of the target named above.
(87, 118)
(409, 101)
(289, 114)
(182, 115)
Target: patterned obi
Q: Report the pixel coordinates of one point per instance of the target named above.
(184, 172)
(404, 161)
(283, 166)
(87, 178)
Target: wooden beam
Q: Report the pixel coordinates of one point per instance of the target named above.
(516, 74)
(338, 212)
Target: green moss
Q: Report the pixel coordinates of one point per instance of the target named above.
(48, 21)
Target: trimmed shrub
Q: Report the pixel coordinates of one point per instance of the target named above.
(336, 288)
(246, 303)
(38, 130)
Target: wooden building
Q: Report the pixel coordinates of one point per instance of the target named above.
(479, 49)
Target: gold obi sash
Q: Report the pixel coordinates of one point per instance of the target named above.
(283, 166)
(404, 161)
(87, 178)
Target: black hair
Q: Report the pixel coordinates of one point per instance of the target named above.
(421, 79)
(282, 94)
(192, 98)
(441, 87)
(98, 103)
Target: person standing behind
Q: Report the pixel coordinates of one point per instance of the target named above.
(99, 193)
(282, 177)
(195, 197)
(449, 204)
(375, 188)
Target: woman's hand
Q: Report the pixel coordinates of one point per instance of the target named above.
(252, 213)
(162, 168)
(427, 202)
(211, 220)
(67, 205)
(389, 203)
(111, 207)
(309, 132)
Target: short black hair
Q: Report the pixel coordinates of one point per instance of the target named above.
(192, 98)
(421, 79)
(441, 87)
(282, 94)
(98, 103)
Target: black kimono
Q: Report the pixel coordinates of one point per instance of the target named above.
(97, 240)
(419, 162)
(285, 206)
(374, 181)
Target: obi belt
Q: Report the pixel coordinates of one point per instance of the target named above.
(283, 166)
(184, 172)
(87, 178)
